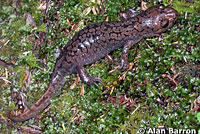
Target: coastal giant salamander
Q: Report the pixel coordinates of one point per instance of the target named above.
(95, 42)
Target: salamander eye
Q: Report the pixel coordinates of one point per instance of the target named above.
(161, 6)
(164, 23)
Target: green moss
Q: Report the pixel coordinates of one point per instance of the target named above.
(182, 6)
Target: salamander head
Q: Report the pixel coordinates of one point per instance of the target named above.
(158, 19)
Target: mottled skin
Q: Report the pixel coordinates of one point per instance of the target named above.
(98, 40)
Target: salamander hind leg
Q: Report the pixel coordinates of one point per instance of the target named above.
(86, 78)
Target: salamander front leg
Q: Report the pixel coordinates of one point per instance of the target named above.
(125, 51)
(86, 78)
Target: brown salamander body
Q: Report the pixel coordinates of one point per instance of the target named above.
(98, 40)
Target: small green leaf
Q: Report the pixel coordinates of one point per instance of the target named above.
(25, 28)
(42, 28)
(198, 117)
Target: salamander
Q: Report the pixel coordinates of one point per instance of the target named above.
(95, 42)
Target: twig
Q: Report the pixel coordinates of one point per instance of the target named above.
(5, 64)
(170, 78)
(47, 6)
(135, 110)
(4, 78)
